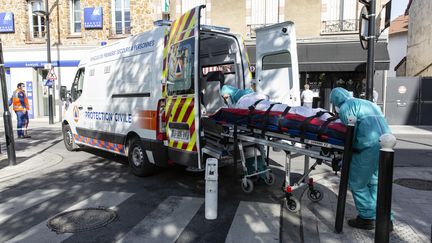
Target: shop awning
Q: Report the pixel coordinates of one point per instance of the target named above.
(335, 57)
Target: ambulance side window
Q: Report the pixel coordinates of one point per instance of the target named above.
(180, 78)
(78, 84)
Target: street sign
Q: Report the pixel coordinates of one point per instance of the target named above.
(364, 27)
(51, 75)
(49, 83)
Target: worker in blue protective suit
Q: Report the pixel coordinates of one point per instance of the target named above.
(363, 175)
(234, 94)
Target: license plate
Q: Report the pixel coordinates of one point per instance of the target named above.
(178, 134)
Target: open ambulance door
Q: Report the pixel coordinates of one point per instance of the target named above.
(277, 73)
(182, 91)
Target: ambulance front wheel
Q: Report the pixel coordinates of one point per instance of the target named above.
(68, 139)
(138, 161)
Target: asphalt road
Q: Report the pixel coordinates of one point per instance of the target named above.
(91, 173)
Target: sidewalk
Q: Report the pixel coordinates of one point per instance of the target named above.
(412, 211)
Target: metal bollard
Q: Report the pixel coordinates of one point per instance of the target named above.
(211, 189)
(343, 185)
(385, 180)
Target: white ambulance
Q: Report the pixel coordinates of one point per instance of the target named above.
(143, 97)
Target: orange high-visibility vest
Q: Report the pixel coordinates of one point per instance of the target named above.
(16, 103)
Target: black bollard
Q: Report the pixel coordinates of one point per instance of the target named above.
(7, 119)
(343, 184)
(385, 180)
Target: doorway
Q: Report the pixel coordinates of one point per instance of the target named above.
(42, 92)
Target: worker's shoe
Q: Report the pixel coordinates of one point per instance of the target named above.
(27, 136)
(360, 223)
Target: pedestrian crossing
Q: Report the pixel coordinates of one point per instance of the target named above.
(252, 222)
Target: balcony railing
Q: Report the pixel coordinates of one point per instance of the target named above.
(250, 29)
(339, 26)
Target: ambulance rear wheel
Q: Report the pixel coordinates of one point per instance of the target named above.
(138, 161)
(68, 138)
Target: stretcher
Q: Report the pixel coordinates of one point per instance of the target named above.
(230, 132)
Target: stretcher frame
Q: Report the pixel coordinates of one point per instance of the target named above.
(238, 135)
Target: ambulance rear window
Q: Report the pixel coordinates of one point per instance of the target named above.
(180, 79)
(277, 61)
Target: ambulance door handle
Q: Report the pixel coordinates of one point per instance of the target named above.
(89, 107)
(80, 107)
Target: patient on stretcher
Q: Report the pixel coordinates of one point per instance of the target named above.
(244, 99)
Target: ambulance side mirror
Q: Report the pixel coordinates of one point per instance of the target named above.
(63, 93)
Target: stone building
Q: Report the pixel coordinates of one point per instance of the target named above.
(76, 27)
(327, 35)
(419, 58)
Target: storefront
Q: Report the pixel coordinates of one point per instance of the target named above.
(27, 65)
(325, 65)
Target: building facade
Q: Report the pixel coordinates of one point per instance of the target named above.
(76, 27)
(419, 59)
(327, 35)
(328, 45)
(397, 45)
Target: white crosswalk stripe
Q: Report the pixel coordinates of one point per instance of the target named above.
(18, 204)
(252, 222)
(41, 233)
(166, 222)
(255, 222)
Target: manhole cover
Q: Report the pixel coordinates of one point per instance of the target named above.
(417, 184)
(80, 220)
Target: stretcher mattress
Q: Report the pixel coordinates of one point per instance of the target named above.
(313, 128)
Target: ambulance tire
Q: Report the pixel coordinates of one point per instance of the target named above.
(138, 161)
(68, 139)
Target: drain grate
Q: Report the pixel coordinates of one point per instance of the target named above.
(412, 183)
(80, 220)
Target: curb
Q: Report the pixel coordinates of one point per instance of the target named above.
(36, 163)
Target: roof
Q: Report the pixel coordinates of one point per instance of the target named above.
(399, 25)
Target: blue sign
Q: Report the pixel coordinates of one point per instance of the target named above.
(93, 18)
(29, 90)
(49, 83)
(35, 64)
(7, 22)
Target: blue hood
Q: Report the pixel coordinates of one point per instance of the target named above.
(235, 93)
(339, 95)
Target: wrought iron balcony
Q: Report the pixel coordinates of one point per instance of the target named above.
(339, 26)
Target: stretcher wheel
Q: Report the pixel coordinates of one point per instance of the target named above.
(315, 195)
(269, 179)
(247, 185)
(292, 204)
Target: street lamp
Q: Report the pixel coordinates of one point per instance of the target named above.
(47, 26)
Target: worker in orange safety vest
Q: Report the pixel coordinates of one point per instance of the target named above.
(21, 107)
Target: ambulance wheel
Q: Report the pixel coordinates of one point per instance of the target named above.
(68, 139)
(138, 160)
(315, 195)
(247, 186)
(292, 204)
(269, 179)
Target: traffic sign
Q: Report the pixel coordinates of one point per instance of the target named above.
(51, 75)
(49, 83)
(364, 27)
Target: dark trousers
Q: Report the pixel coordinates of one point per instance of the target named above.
(21, 123)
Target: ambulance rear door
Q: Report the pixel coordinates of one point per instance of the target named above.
(276, 63)
(182, 80)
